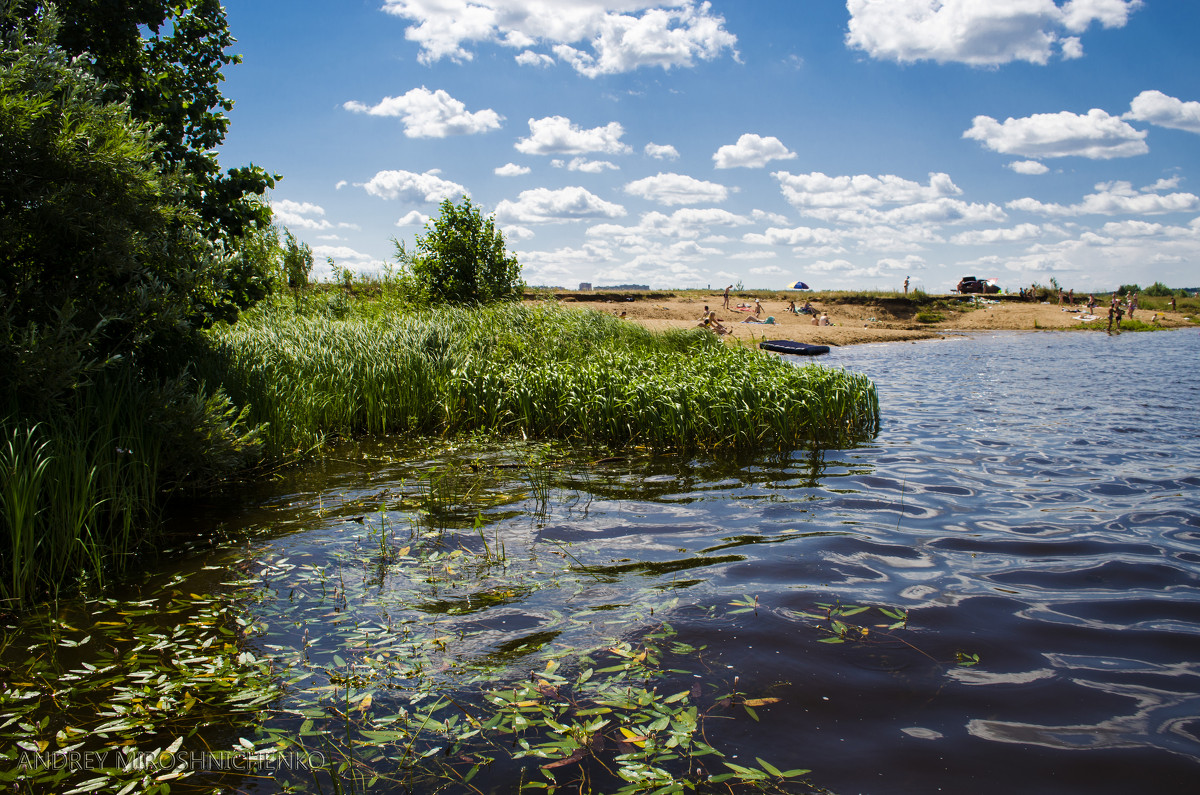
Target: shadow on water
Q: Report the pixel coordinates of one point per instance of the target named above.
(997, 594)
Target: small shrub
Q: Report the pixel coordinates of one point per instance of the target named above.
(930, 317)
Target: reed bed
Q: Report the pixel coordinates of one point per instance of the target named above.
(541, 371)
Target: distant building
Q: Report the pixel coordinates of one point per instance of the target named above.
(585, 285)
(625, 287)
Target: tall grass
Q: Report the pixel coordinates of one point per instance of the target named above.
(541, 371)
(81, 487)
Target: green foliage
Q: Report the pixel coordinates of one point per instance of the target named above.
(164, 58)
(80, 492)
(100, 256)
(461, 259)
(1128, 289)
(297, 261)
(1158, 290)
(930, 317)
(539, 371)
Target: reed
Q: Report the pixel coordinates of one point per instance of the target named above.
(541, 371)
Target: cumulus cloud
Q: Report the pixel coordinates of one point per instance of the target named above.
(531, 58)
(796, 236)
(661, 151)
(556, 135)
(300, 215)
(587, 166)
(545, 206)
(1095, 135)
(1114, 198)
(861, 190)
(344, 256)
(1015, 234)
(751, 151)
(977, 32)
(596, 37)
(1156, 107)
(673, 188)
(409, 186)
(684, 224)
(431, 114)
(413, 218)
(511, 170)
(1031, 167)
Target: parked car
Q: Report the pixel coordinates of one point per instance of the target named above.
(969, 284)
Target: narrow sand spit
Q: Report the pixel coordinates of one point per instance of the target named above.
(853, 321)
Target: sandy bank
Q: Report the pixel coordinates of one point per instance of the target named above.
(853, 321)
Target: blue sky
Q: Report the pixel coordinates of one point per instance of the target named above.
(685, 144)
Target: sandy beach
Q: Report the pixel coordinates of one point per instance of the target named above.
(853, 320)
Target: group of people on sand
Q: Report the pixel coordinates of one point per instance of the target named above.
(710, 321)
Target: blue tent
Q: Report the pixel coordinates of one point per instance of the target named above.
(799, 286)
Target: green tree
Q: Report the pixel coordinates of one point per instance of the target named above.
(164, 59)
(101, 259)
(461, 258)
(297, 261)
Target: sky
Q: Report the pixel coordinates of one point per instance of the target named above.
(684, 144)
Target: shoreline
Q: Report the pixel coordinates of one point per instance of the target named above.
(854, 320)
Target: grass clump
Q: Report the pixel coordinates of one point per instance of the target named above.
(541, 371)
(930, 317)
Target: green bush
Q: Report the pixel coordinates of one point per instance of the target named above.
(461, 259)
(1158, 290)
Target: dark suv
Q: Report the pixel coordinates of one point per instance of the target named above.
(970, 284)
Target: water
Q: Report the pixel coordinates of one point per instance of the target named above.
(1032, 505)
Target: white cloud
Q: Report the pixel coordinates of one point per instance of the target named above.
(515, 232)
(673, 188)
(751, 151)
(1156, 107)
(687, 223)
(660, 37)
(340, 184)
(409, 186)
(620, 35)
(431, 114)
(300, 215)
(543, 206)
(797, 236)
(531, 58)
(977, 32)
(343, 257)
(1016, 234)
(588, 166)
(1095, 135)
(661, 151)
(1031, 167)
(1114, 198)
(556, 135)
(511, 170)
(861, 191)
(936, 213)
(413, 218)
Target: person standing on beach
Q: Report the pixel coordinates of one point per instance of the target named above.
(726, 304)
(906, 285)
(1091, 304)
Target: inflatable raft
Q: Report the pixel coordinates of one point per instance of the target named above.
(794, 348)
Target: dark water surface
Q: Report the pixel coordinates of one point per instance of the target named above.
(1032, 502)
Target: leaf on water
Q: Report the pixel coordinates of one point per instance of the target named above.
(759, 702)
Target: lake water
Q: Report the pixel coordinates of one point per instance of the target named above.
(1031, 506)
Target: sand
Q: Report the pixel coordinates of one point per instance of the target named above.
(853, 321)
